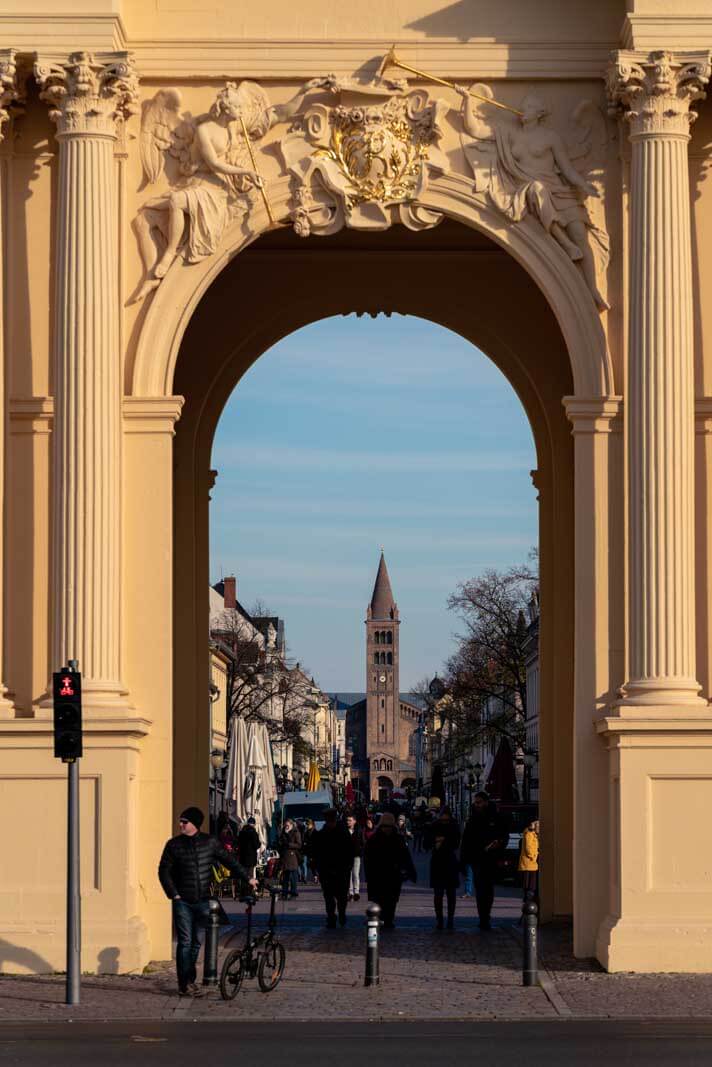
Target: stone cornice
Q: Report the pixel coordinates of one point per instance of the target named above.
(31, 414)
(680, 32)
(599, 414)
(654, 91)
(88, 95)
(703, 415)
(151, 414)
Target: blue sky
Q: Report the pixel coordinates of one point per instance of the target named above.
(356, 433)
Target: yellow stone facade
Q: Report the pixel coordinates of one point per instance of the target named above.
(568, 234)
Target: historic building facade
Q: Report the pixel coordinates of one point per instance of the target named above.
(165, 222)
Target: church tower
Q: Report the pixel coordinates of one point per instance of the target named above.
(382, 687)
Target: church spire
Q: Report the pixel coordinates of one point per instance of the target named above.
(382, 603)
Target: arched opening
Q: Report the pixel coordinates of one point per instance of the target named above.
(477, 285)
(385, 788)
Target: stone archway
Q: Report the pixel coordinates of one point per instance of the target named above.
(343, 274)
(467, 274)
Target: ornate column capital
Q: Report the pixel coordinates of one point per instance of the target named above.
(654, 91)
(88, 96)
(10, 91)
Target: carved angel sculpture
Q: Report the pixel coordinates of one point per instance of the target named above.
(210, 172)
(524, 167)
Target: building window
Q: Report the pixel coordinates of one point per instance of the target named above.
(383, 729)
(389, 638)
(383, 703)
(389, 658)
(375, 657)
(378, 637)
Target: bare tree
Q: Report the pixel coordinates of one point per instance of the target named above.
(263, 685)
(485, 678)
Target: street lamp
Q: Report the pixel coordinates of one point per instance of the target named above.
(217, 757)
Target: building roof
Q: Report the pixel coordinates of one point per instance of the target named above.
(349, 700)
(382, 602)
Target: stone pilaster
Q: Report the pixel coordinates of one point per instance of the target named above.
(654, 93)
(9, 95)
(88, 98)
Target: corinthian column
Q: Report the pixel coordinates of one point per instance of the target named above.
(88, 98)
(654, 93)
(9, 94)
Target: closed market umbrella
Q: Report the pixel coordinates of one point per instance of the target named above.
(314, 779)
(237, 768)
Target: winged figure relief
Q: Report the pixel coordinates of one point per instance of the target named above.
(523, 167)
(207, 165)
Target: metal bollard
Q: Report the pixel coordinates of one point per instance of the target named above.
(530, 913)
(373, 923)
(210, 956)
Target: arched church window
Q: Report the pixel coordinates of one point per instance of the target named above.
(389, 658)
(375, 657)
(389, 638)
(378, 637)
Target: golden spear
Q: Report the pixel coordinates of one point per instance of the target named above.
(254, 167)
(392, 60)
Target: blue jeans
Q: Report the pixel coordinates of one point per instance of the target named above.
(290, 885)
(469, 881)
(190, 921)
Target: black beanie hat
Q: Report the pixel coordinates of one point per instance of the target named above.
(193, 815)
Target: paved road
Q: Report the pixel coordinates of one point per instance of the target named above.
(554, 1044)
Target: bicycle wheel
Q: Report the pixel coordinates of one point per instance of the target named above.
(271, 966)
(231, 975)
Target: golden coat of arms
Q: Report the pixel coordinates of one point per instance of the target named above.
(365, 162)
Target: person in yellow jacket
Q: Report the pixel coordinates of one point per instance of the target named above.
(529, 858)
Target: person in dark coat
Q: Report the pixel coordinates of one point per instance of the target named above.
(249, 844)
(358, 843)
(483, 842)
(444, 866)
(388, 865)
(332, 853)
(185, 873)
(290, 853)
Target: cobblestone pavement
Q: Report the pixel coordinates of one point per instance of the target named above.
(425, 974)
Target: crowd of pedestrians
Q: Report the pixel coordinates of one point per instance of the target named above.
(353, 847)
(350, 846)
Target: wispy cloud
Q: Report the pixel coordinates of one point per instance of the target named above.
(253, 455)
(307, 508)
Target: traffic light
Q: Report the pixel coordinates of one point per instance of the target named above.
(67, 690)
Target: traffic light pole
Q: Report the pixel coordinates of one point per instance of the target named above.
(74, 903)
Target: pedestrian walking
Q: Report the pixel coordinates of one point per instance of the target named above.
(333, 858)
(290, 854)
(307, 869)
(483, 842)
(248, 845)
(388, 865)
(225, 833)
(529, 860)
(185, 873)
(358, 843)
(403, 827)
(444, 866)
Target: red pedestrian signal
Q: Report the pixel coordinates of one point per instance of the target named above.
(67, 693)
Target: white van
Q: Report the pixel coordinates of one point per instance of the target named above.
(303, 805)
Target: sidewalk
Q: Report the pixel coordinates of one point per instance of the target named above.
(425, 974)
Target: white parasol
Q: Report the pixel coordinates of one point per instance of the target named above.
(237, 768)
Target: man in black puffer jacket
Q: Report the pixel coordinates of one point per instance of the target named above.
(185, 872)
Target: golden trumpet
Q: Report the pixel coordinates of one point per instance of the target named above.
(254, 167)
(392, 60)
